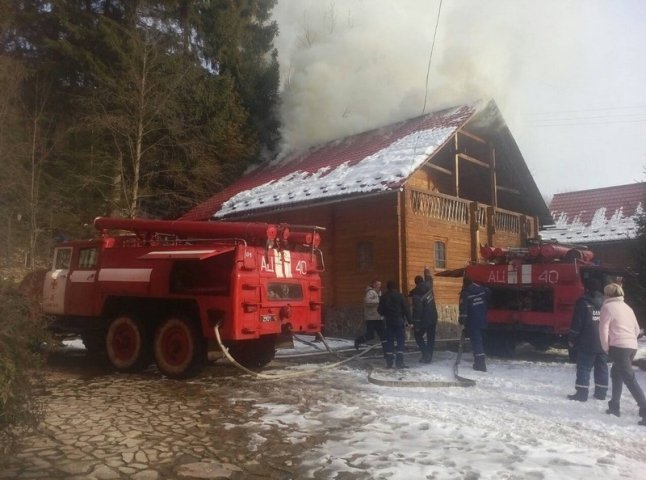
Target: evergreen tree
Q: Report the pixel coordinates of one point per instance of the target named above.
(157, 104)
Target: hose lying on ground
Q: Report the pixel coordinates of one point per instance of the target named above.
(283, 376)
(459, 381)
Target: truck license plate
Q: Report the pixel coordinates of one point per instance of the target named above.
(267, 318)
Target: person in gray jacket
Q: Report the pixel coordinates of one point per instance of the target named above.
(374, 321)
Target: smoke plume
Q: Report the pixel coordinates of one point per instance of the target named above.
(352, 65)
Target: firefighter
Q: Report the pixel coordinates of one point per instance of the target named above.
(619, 330)
(424, 315)
(584, 338)
(473, 316)
(374, 321)
(394, 308)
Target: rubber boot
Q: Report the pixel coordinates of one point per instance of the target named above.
(389, 360)
(358, 341)
(479, 363)
(399, 362)
(642, 413)
(613, 409)
(600, 393)
(581, 395)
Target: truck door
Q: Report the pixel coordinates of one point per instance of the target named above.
(81, 286)
(56, 281)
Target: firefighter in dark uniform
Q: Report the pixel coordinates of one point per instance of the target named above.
(473, 316)
(584, 338)
(424, 315)
(394, 308)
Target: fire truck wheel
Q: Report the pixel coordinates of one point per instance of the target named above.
(254, 353)
(128, 344)
(178, 347)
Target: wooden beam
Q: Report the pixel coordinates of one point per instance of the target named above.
(507, 189)
(494, 181)
(456, 164)
(523, 230)
(471, 159)
(440, 169)
(401, 244)
(491, 226)
(474, 231)
(472, 136)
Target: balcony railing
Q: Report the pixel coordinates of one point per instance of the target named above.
(442, 207)
(456, 210)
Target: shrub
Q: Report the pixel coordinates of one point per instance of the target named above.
(22, 352)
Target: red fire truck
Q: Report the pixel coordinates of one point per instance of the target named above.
(533, 292)
(156, 289)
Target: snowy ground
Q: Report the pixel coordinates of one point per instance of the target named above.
(516, 423)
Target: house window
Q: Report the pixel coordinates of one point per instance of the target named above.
(365, 256)
(88, 258)
(440, 255)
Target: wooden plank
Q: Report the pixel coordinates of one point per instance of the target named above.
(456, 164)
(440, 169)
(473, 160)
(493, 177)
(472, 136)
(473, 227)
(507, 189)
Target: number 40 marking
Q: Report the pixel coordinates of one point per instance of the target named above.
(549, 276)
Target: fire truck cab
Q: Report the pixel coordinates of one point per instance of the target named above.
(157, 289)
(533, 292)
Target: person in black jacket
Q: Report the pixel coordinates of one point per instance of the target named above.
(424, 315)
(473, 316)
(395, 311)
(584, 338)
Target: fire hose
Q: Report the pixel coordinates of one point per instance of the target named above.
(459, 380)
(283, 376)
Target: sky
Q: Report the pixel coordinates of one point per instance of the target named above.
(568, 76)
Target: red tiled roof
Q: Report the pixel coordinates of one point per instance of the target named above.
(586, 202)
(350, 150)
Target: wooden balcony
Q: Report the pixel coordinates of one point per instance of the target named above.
(464, 212)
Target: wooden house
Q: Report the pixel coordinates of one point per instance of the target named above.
(422, 192)
(603, 219)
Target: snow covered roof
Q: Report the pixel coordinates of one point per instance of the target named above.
(597, 215)
(375, 161)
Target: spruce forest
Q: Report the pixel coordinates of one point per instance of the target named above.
(126, 108)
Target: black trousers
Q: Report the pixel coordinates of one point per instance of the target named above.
(425, 337)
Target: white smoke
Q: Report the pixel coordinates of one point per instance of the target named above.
(351, 65)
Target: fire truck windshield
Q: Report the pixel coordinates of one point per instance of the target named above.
(284, 291)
